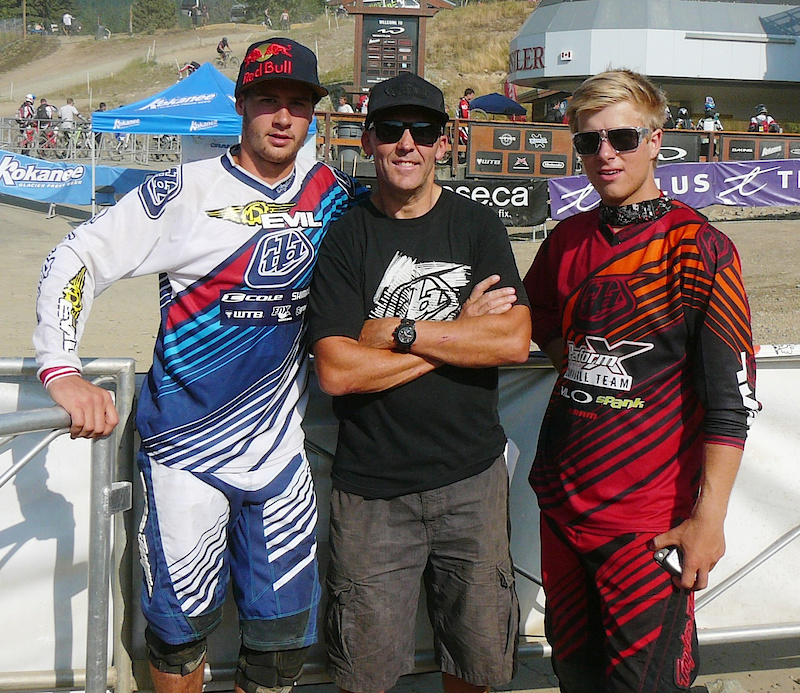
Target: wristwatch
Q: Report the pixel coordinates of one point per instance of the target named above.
(404, 335)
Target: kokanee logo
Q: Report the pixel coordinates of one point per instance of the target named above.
(265, 51)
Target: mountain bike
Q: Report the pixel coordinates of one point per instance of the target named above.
(227, 59)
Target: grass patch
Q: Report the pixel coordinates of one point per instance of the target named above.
(125, 86)
(17, 52)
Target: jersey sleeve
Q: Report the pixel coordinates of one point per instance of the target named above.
(126, 240)
(722, 356)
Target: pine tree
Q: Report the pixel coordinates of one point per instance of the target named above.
(149, 15)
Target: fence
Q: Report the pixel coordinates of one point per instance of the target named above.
(107, 497)
(48, 140)
(753, 596)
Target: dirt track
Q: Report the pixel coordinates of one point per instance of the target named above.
(82, 59)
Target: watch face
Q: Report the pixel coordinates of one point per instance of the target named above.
(406, 334)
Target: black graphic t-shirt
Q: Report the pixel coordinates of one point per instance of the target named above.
(442, 427)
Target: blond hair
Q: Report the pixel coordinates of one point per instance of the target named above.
(618, 86)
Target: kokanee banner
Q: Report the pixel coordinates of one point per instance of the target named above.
(763, 183)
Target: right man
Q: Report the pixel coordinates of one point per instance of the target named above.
(641, 308)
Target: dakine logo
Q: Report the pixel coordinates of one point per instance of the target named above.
(556, 165)
(537, 140)
(771, 151)
(121, 124)
(194, 100)
(794, 152)
(202, 125)
(279, 258)
(599, 364)
(14, 174)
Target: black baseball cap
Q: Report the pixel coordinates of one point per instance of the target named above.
(279, 58)
(406, 90)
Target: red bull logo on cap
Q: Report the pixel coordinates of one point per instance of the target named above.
(266, 51)
(258, 62)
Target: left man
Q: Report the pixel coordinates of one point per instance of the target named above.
(228, 488)
(407, 336)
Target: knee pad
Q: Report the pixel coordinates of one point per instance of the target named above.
(268, 672)
(174, 659)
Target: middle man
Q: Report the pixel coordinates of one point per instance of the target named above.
(415, 301)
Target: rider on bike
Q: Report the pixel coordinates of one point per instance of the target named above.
(223, 50)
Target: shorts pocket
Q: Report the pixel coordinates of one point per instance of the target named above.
(337, 625)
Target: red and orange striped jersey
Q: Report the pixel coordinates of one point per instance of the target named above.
(658, 359)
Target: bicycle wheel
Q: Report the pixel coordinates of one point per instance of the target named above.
(233, 61)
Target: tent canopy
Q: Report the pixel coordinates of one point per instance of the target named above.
(200, 104)
(497, 104)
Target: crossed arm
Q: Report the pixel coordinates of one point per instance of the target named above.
(490, 331)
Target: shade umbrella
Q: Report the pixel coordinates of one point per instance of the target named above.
(497, 104)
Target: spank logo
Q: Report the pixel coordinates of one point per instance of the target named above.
(600, 364)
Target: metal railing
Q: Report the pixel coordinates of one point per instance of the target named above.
(107, 497)
(48, 140)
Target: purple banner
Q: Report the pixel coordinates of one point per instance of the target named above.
(737, 184)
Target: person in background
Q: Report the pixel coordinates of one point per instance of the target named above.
(669, 120)
(363, 103)
(343, 106)
(762, 121)
(68, 113)
(66, 21)
(98, 136)
(641, 307)
(228, 489)
(407, 337)
(223, 49)
(45, 113)
(684, 120)
(462, 113)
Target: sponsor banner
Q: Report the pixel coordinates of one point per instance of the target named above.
(761, 183)
(71, 184)
(522, 203)
(34, 179)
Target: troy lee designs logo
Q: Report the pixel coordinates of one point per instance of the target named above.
(258, 62)
(600, 364)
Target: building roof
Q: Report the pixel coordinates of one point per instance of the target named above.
(734, 16)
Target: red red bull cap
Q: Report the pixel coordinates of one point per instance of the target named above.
(279, 58)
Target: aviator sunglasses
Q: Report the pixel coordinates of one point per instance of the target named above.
(390, 131)
(622, 139)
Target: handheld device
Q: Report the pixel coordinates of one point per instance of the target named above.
(669, 558)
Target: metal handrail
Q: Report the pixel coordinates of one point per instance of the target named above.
(107, 498)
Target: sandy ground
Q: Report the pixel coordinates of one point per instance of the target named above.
(125, 320)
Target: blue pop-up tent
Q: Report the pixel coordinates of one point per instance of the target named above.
(201, 104)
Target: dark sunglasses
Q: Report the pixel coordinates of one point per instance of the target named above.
(622, 139)
(390, 131)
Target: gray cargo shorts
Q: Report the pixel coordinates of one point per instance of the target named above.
(454, 539)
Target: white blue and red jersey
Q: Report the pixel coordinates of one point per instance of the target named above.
(227, 386)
